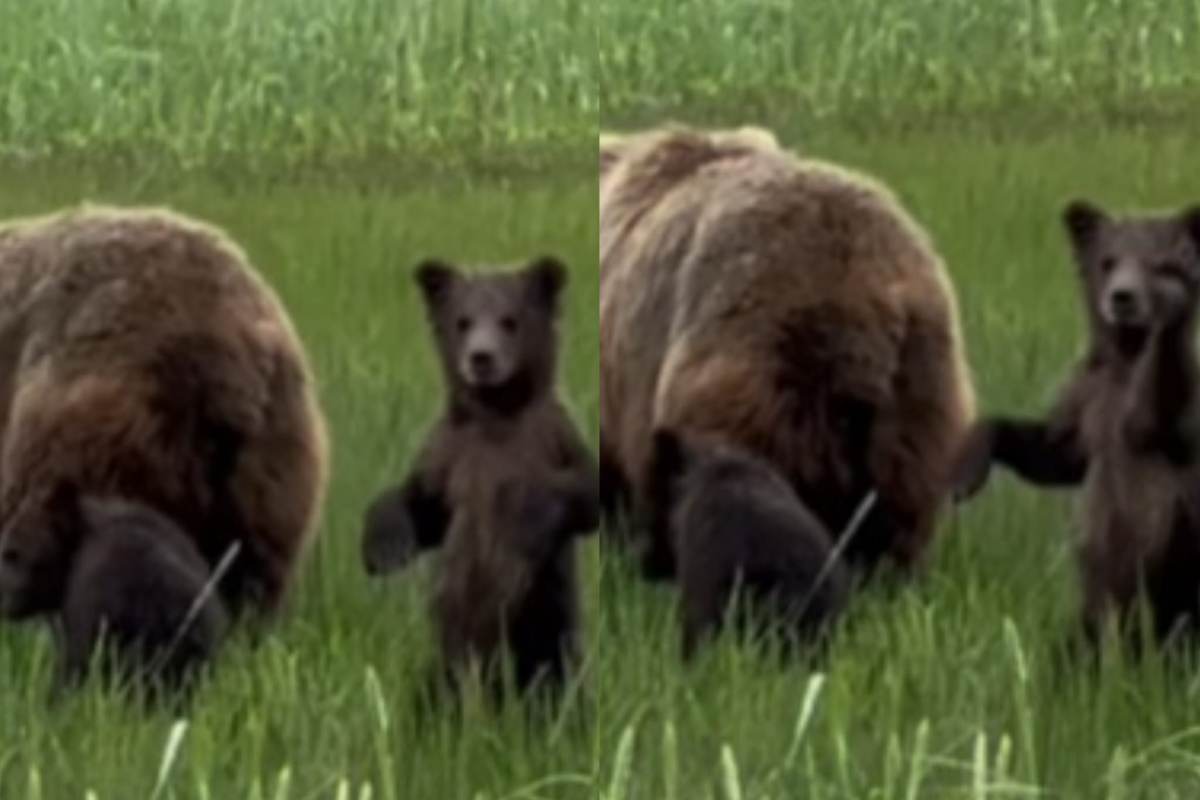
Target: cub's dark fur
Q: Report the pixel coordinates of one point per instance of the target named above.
(134, 591)
(503, 483)
(737, 527)
(1127, 424)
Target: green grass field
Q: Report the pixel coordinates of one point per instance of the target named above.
(273, 85)
(887, 66)
(342, 142)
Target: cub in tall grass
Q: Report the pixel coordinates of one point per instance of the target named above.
(742, 537)
(503, 484)
(1127, 424)
(130, 588)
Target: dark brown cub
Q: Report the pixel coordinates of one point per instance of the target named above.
(134, 593)
(503, 483)
(742, 537)
(1127, 424)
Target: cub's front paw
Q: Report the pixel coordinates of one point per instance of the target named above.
(389, 540)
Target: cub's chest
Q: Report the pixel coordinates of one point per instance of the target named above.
(1127, 488)
(482, 566)
(485, 459)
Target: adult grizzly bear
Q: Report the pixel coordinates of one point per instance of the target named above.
(783, 306)
(142, 359)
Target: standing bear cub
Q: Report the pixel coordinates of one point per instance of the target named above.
(503, 483)
(1127, 424)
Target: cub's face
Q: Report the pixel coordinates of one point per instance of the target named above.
(36, 550)
(1141, 273)
(494, 331)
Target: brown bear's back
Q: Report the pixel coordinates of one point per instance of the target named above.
(749, 295)
(144, 358)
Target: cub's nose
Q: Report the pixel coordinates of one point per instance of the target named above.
(482, 362)
(1123, 304)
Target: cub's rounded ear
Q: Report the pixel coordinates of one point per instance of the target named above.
(1191, 221)
(547, 278)
(1083, 220)
(435, 278)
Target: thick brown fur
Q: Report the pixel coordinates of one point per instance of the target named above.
(1126, 425)
(144, 359)
(502, 485)
(783, 306)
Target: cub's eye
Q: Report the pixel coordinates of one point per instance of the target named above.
(1175, 272)
(1172, 269)
(509, 324)
(10, 558)
(463, 324)
(1107, 265)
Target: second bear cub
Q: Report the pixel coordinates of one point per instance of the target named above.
(136, 591)
(1127, 424)
(503, 483)
(740, 533)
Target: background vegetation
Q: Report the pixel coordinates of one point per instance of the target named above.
(879, 67)
(294, 82)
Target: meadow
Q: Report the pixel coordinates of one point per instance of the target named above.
(342, 142)
(885, 67)
(985, 119)
(948, 687)
(328, 699)
(256, 87)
